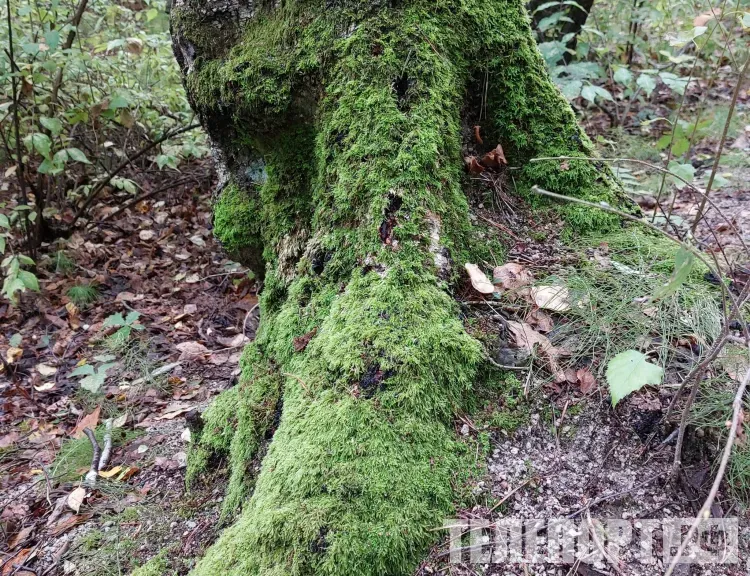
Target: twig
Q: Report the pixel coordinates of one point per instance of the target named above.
(98, 188)
(107, 450)
(74, 22)
(298, 379)
(91, 475)
(699, 214)
(244, 322)
(595, 537)
(677, 462)
(503, 367)
(146, 196)
(509, 494)
(705, 510)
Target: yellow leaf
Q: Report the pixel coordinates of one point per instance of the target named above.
(109, 473)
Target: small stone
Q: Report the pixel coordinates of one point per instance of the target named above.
(465, 430)
(191, 524)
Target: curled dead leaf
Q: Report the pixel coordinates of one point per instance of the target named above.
(586, 380)
(75, 499)
(555, 298)
(528, 338)
(511, 275)
(479, 280)
(477, 135)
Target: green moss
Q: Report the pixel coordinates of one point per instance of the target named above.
(157, 566)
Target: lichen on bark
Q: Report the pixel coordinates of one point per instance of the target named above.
(340, 129)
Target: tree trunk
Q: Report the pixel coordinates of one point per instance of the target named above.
(340, 127)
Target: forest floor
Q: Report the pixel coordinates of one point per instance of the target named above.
(163, 330)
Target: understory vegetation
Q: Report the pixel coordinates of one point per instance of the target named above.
(433, 227)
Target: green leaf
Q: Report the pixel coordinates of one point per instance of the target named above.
(118, 101)
(16, 340)
(29, 280)
(623, 76)
(2, 244)
(25, 260)
(4, 222)
(647, 83)
(115, 320)
(51, 124)
(39, 142)
(684, 171)
(82, 370)
(52, 38)
(571, 90)
(746, 20)
(151, 14)
(77, 156)
(630, 371)
(684, 261)
(132, 316)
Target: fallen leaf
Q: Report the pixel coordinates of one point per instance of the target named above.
(120, 421)
(75, 499)
(541, 320)
(9, 439)
(586, 380)
(555, 298)
(511, 276)
(21, 537)
(190, 309)
(494, 158)
(301, 342)
(192, 350)
(88, 421)
(197, 240)
(44, 387)
(526, 337)
(46, 370)
(703, 19)
(10, 565)
(477, 135)
(174, 409)
(68, 522)
(192, 278)
(13, 354)
(146, 235)
(109, 473)
(129, 473)
(479, 279)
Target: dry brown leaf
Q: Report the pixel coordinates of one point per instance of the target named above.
(540, 320)
(174, 409)
(192, 351)
(46, 370)
(21, 537)
(88, 421)
(479, 280)
(68, 522)
(703, 19)
(586, 380)
(555, 298)
(528, 338)
(75, 499)
(10, 565)
(511, 276)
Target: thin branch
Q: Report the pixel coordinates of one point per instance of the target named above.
(732, 106)
(146, 196)
(98, 188)
(705, 511)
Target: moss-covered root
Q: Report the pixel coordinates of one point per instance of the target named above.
(236, 425)
(532, 119)
(362, 464)
(362, 222)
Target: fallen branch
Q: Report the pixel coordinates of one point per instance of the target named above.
(100, 457)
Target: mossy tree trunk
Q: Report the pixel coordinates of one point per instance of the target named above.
(339, 127)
